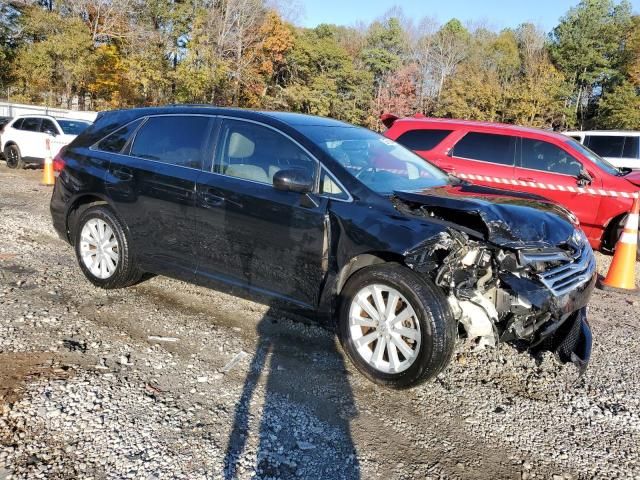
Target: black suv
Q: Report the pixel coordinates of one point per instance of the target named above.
(321, 217)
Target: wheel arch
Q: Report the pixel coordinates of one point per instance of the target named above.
(80, 203)
(608, 241)
(361, 261)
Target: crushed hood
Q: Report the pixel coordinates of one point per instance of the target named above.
(633, 177)
(506, 219)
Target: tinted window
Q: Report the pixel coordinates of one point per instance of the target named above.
(115, 142)
(256, 153)
(593, 157)
(31, 124)
(605, 146)
(18, 124)
(422, 140)
(48, 126)
(73, 127)
(544, 156)
(486, 147)
(631, 149)
(178, 140)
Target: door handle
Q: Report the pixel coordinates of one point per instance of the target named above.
(123, 174)
(448, 168)
(527, 179)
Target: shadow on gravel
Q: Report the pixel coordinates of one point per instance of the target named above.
(307, 411)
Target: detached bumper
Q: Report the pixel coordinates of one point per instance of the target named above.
(570, 339)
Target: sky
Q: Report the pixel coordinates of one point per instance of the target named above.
(496, 14)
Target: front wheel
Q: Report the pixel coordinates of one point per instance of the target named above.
(13, 157)
(396, 326)
(103, 249)
(617, 233)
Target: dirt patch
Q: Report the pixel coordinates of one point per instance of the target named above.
(17, 369)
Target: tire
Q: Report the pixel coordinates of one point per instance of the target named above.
(428, 331)
(616, 233)
(13, 157)
(99, 230)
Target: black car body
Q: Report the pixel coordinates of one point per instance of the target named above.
(511, 267)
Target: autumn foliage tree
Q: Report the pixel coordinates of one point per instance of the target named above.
(101, 54)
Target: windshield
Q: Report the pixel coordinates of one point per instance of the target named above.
(72, 127)
(594, 157)
(381, 164)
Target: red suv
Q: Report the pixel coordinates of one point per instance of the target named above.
(527, 160)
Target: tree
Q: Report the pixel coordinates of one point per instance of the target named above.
(586, 47)
(55, 62)
(450, 47)
(620, 108)
(8, 32)
(385, 48)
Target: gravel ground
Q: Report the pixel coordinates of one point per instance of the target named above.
(244, 391)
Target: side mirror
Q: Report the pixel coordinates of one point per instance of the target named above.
(584, 179)
(298, 180)
(51, 132)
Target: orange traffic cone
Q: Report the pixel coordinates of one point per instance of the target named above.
(622, 273)
(48, 178)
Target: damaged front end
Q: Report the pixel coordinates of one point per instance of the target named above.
(533, 296)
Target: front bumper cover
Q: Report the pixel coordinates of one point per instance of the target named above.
(570, 339)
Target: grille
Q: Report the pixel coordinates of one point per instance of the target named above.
(572, 273)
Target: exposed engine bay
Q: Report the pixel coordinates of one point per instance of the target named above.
(533, 295)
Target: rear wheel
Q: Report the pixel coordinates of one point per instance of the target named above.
(103, 249)
(13, 157)
(395, 326)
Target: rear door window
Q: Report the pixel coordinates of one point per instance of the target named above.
(631, 147)
(31, 124)
(422, 140)
(546, 157)
(605, 145)
(174, 139)
(487, 147)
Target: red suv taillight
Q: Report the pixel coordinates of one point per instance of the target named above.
(58, 161)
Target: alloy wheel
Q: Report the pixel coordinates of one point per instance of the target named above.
(99, 248)
(384, 328)
(11, 157)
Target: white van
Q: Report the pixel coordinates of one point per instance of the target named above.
(621, 148)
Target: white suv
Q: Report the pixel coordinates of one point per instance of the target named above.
(621, 148)
(24, 139)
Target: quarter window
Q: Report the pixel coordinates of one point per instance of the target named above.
(329, 187)
(174, 139)
(256, 153)
(115, 142)
(31, 124)
(422, 140)
(18, 124)
(546, 157)
(487, 147)
(605, 145)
